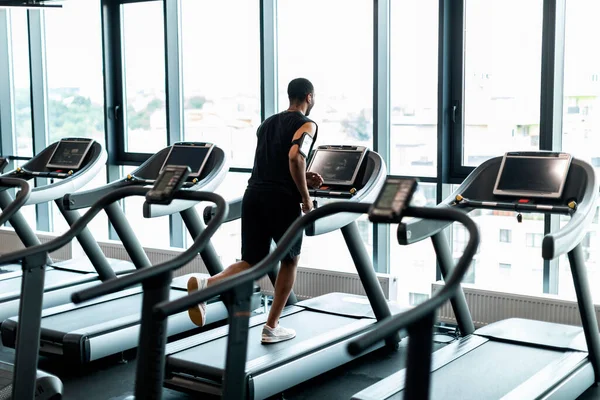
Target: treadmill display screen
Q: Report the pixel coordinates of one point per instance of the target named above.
(194, 157)
(533, 176)
(69, 154)
(337, 167)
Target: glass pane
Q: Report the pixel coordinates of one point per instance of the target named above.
(509, 257)
(75, 89)
(144, 66)
(337, 58)
(22, 85)
(581, 121)
(227, 241)
(23, 139)
(503, 44)
(151, 232)
(590, 245)
(222, 99)
(414, 265)
(414, 80)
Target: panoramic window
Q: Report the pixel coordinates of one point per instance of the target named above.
(414, 87)
(581, 120)
(144, 75)
(221, 75)
(75, 89)
(23, 135)
(502, 73)
(339, 63)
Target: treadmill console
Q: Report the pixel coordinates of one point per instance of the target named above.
(3, 164)
(533, 174)
(392, 200)
(168, 182)
(340, 167)
(69, 154)
(194, 155)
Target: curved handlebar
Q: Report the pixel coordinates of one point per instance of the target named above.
(142, 275)
(391, 325)
(19, 200)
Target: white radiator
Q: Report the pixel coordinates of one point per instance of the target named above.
(9, 241)
(309, 282)
(489, 306)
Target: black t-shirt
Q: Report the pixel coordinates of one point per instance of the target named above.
(271, 169)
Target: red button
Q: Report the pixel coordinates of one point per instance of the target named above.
(522, 201)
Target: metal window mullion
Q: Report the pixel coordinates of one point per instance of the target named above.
(39, 110)
(174, 91)
(450, 92)
(113, 94)
(7, 120)
(381, 118)
(268, 58)
(551, 109)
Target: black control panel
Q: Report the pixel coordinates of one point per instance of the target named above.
(3, 164)
(392, 200)
(168, 182)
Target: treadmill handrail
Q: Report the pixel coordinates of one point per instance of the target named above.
(235, 211)
(174, 263)
(569, 236)
(391, 325)
(20, 199)
(165, 309)
(85, 219)
(87, 198)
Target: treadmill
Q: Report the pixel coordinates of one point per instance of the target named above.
(325, 324)
(68, 164)
(46, 386)
(110, 324)
(513, 358)
(26, 382)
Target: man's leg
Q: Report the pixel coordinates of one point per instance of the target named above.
(233, 269)
(283, 288)
(198, 313)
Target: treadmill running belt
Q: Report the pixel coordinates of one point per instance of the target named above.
(84, 317)
(490, 371)
(307, 324)
(53, 277)
(5, 269)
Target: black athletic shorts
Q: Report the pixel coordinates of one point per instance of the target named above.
(266, 215)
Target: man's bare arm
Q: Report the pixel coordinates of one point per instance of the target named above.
(298, 163)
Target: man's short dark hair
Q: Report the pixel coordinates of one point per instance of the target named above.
(298, 89)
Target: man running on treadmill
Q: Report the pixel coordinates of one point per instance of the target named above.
(279, 182)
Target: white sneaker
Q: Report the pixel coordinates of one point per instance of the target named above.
(279, 334)
(198, 313)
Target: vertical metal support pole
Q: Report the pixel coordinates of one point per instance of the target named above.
(128, 238)
(459, 302)
(153, 338)
(39, 110)
(586, 308)
(89, 245)
(28, 330)
(368, 278)
(20, 225)
(418, 363)
(381, 118)
(268, 58)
